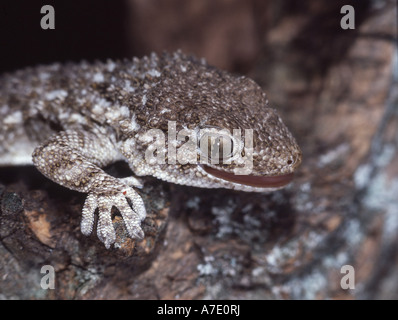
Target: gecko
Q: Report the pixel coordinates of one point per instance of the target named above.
(71, 120)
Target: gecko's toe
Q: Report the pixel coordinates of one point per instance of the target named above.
(105, 231)
(86, 225)
(131, 219)
(137, 203)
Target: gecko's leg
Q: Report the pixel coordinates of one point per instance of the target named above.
(74, 160)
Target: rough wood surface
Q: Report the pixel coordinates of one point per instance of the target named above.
(337, 91)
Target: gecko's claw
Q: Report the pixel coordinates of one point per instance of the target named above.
(132, 217)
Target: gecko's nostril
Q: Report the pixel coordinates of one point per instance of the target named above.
(294, 160)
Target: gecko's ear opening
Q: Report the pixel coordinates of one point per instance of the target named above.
(253, 181)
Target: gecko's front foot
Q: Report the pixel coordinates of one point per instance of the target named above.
(104, 202)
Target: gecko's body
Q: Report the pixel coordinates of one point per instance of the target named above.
(74, 119)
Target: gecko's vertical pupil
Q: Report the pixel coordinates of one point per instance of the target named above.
(289, 162)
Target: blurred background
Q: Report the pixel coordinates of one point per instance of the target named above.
(336, 90)
(231, 34)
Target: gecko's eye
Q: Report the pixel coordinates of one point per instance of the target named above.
(216, 148)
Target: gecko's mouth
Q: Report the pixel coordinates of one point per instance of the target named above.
(253, 181)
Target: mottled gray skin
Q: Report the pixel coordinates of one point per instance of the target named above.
(74, 119)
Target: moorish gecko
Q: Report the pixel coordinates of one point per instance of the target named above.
(74, 119)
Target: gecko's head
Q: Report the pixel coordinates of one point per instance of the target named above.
(234, 139)
(262, 156)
